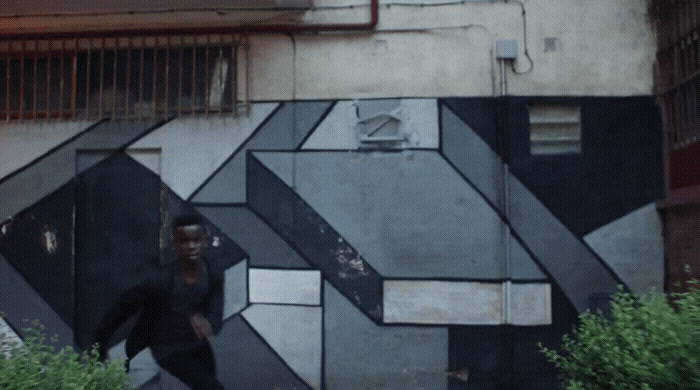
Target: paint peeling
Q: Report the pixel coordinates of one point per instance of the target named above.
(351, 264)
(461, 374)
(49, 240)
(4, 228)
(356, 297)
(216, 241)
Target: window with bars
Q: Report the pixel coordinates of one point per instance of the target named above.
(678, 61)
(119, 78)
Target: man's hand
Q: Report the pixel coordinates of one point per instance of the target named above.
(201, 326)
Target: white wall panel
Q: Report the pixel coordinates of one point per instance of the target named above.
(298, 287)
(466, 303)
(440, 302)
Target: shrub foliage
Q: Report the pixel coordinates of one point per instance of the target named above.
(34, 364)
(650, 342)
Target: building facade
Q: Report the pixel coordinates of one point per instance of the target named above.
(407, 195)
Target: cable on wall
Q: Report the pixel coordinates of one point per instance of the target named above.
(527, 54)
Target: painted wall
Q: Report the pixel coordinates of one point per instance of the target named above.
(401, 262)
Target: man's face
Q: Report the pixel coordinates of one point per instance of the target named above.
(190, 242)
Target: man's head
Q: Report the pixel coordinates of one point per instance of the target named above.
(189, 238)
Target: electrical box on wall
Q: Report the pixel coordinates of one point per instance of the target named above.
(507, 49)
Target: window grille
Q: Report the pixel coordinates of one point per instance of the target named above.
(678, 83)
(134, 78)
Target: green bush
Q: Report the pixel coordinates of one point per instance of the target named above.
(34, 364)
(649, 343)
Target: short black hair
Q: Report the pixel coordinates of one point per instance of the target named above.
(187, 220)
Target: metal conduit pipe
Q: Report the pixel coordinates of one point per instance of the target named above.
(239, 29)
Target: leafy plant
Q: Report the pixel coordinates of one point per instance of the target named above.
(650, 342)
(34, 364)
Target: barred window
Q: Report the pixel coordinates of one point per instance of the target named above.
(119, 78)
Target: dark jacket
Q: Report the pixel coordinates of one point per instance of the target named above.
(151, 295)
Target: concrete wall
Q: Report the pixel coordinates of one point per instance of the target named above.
(596, 47)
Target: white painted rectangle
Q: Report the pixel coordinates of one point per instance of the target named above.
(297, 287)
(530, 304)
(443, 302)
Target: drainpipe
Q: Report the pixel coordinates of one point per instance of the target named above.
(239, 29)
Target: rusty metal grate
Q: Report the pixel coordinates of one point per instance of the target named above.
(678, 83)
(133, 78)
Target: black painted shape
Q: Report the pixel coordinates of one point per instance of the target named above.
(123, 213)
(619, 170)
(531, 370)
(507, 357)
(117, 235)
(245, 362)
(481, 115)
(38, 242)
(285, 128)
(298, 224)
(265, 247)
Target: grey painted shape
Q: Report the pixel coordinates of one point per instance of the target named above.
(235, 289)
(522, 266)
(23, 142)
(142, 367)
(168, 382)
(574, 267)
(285, 129)
(195, 147)
(19, 301)
(408, 214)
(245, 362)
(473, 157)
(8, 338)
(633, 247)
(296, 337)
(57, 168)
(263, 245)
(361, 355)
(529, 303)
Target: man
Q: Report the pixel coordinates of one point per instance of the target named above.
(181, 307)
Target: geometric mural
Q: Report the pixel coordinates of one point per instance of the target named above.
(345, 268)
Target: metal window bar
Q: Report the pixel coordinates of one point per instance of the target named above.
(97, 78)
(679, 67)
